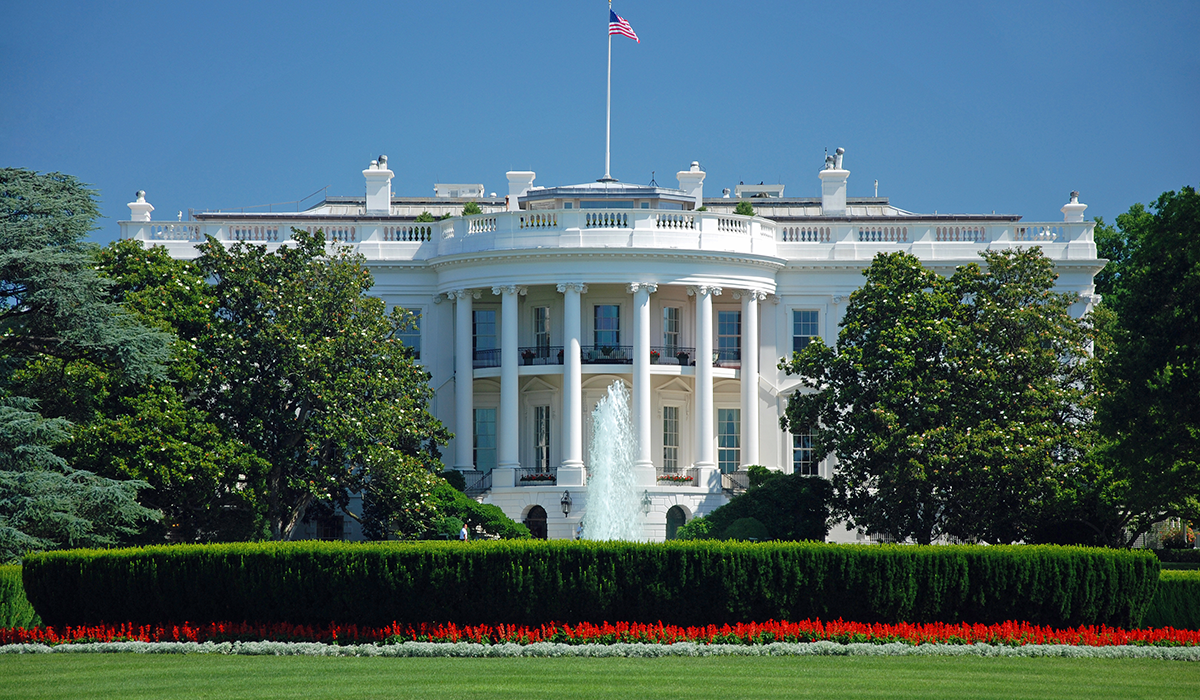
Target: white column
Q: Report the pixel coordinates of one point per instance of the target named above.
(507, 424)
(704, 386)
(750, 299)
(464, 380)
(571, 473)
(643, 465)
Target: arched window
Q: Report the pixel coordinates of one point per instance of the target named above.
(676, 517)
(535, 520)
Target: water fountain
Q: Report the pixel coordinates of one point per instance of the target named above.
(613, 511)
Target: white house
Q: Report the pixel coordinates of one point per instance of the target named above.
(531, 309)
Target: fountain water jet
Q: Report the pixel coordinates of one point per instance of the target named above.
(613, 511)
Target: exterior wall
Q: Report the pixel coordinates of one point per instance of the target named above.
(803, 261)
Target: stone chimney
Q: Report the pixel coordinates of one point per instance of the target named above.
(140, 210)
(691, 181)
(1073, 210)
(379, 187)
(833, 185)
(519, 182)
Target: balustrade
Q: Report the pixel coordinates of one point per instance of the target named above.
(672, 355)
(961, 234)
(675, 221)
(176, 232)
(805, 234)
(1038, 232)
(533, 476)
(408, 233)
(731, 225)
(542, 355)
(248, 232)
(538, 220)
(486, 358)
(606, 219)
(887, 234)
(485, 224)
(607, 354)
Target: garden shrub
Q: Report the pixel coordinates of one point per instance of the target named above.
(15, 610)
(1176, 603)
(490, 519)
(533, 582)
(788, 506)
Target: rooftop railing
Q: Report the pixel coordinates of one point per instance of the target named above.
(630, 228)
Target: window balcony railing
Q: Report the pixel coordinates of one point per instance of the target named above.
(677, 476)
(542, 355)
(672, 355)
(486, 358)
(728, 357)
(607, 355)
(534, 476)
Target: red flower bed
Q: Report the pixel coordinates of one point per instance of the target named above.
(1008, 633)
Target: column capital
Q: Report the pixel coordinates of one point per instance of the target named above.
(752, 294)
(509, 289)
(575, 286)
(703, 289)
(438, 298)
(633, 287)
(463, 294)
(775, 298)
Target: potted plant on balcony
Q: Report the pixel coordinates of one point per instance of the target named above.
(654, 357)
(560, 357)
(676, 478)
(527, 356)
(682, 357)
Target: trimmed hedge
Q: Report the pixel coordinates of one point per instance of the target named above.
(1176, 603)
(533, 582)
(15, 610)
(1178, 556)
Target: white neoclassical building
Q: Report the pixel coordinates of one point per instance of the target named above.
(531, 309)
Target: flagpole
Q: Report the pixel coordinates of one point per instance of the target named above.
(608, 109)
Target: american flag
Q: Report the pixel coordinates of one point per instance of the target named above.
(616, 25)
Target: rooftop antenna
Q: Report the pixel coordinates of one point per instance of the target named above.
(877, 188)
(652, 182)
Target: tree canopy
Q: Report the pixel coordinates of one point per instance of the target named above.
(952, 404)
(1150, 411)
(55, 308)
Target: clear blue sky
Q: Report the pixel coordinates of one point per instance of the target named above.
(955, 107)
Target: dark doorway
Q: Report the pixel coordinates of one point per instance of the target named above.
(676, 517)
(535, 520)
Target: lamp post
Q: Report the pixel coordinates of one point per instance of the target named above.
(646, 502)
(566, 503)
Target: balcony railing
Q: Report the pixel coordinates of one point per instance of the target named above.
(486, 358)
(541, 355)
(735, 482)
(728, 357)
(477, 482)
(533, 476)
(677, 476)
(672, 355)
(607, 354)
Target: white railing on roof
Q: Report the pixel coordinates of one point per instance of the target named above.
(408, 232)
(174, 232)
(804, 234)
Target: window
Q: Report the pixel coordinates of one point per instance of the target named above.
(804, 329)
(541, 330)
(802, 454)
(483, 328)
(485, 439)
(670, 439)
(671, 330)
(607, 328)
(729, 439)
(410, 334)
(541, 438)
(729, 335)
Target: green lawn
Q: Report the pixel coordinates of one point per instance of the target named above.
(113, 676)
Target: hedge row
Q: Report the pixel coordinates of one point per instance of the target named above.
(1176, 603)
(1178, 556)
(15, 610)
(534, 582)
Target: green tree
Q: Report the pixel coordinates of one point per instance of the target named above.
(302, 366)
(1150, 412)
(54, 307)
(952, 404)
(425, 218)
(777, 506)
(471, 208)
(744, 208)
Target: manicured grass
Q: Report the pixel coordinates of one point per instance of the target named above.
(211, 676)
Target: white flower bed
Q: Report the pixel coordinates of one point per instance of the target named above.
(464, 649)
